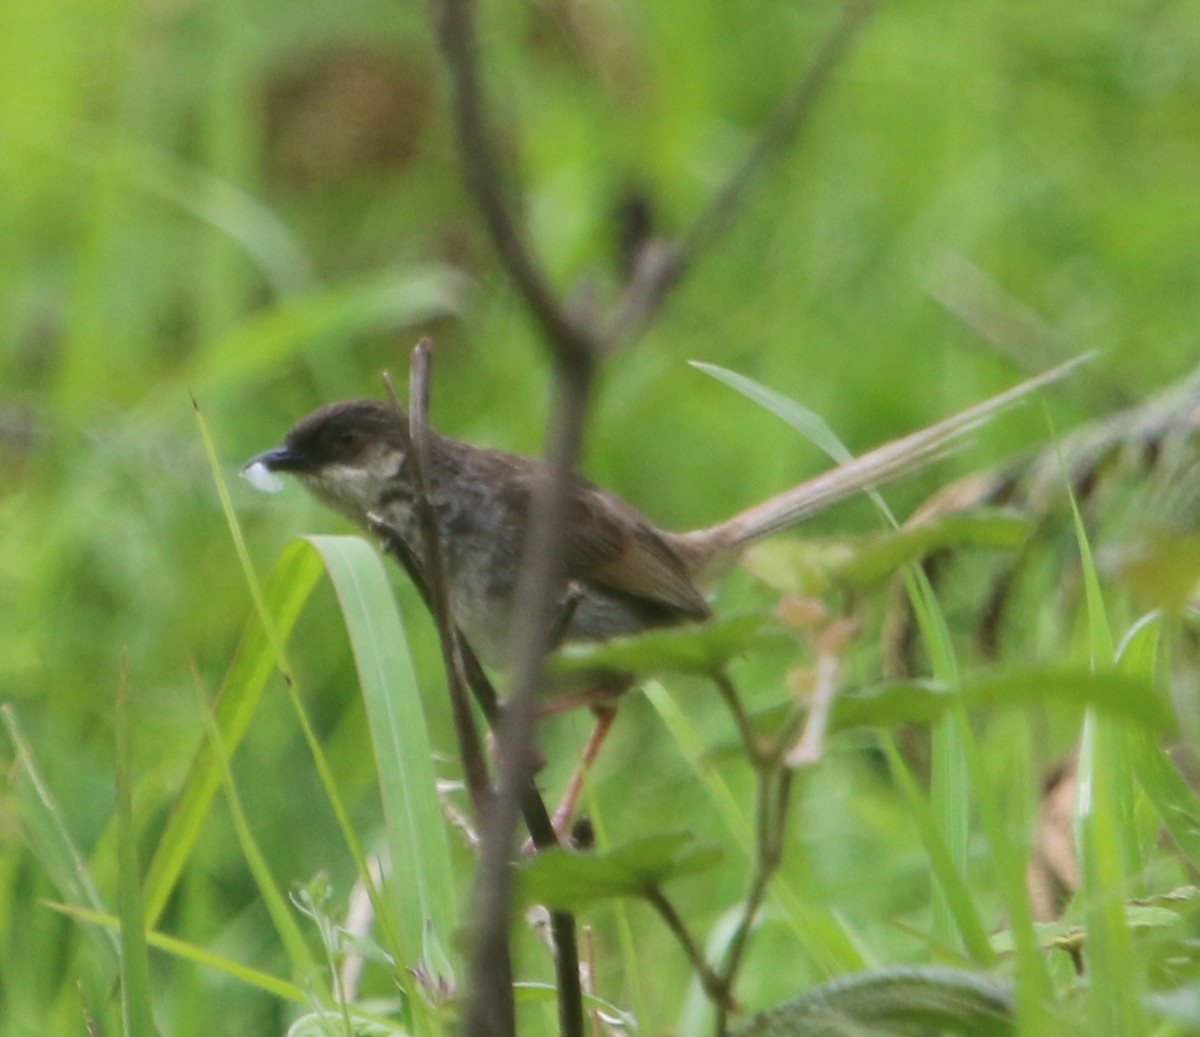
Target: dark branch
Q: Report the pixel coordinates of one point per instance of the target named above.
(539, 592)
(434, 579)
(485, 180)
(575, 344)
(661, 269)
(716, 988)
(533, 808)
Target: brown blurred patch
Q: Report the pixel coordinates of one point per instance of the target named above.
(594, 41)
(1053, 875)
(336, 113)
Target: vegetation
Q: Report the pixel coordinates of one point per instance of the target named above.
(218, 216)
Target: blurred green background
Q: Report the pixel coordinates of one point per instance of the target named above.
(259, 204)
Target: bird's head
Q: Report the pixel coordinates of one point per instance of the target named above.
(346, 454)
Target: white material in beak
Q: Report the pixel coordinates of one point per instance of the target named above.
(262, 478)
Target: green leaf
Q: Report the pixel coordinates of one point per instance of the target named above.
(805, 421)
(809, 566)
(1114, 693)
(422, 880)
(397, 298)
(566, 881)
(702, 649)
(901, 703)
(894, 705)
(1147, 913)
(893, 1003)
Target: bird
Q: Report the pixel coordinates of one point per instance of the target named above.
(626, 574)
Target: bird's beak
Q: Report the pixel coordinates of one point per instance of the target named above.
(281, 459)
(260, 472)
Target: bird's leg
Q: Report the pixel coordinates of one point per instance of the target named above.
(601, 699)
(605, 715)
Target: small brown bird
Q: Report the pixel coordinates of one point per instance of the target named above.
(628, 575)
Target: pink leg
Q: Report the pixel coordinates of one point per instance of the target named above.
(566, 809)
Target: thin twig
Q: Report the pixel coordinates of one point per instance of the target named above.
(481, 168)
(774, 795)
(652, 283)
(713, 985)
(533, 807)
(470, 746)
(745, 726)
(539, 591)
(773, 783)
(575, 345)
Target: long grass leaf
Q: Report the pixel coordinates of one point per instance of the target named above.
(274, 900)
(135, 962)
(276, 640)
(950, 878)
(422, 887)
(287, 591)
(1177, 804)
(50, 839)
(102, 921)
(1107, 836)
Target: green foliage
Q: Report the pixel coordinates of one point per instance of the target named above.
(864, 563)
(568, 881)
(891, 1003)
(260, 204)
(702, 651)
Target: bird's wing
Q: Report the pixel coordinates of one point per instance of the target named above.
(614, 546)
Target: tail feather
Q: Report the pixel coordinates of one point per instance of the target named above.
(865, 473)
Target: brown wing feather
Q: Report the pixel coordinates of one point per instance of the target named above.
(613, 545)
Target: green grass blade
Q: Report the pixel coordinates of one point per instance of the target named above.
(48, 837)
(136, 1000)
(807, 422)
(1106, 833)
(104, 922)
(287, 591)
(239, 544)
(276, 640)
(262, 343)
(421, 883)
(828, 939)
(274, 900)
(259, 654)
(949, 774)
(950, 785)
(1173, 798)
(950, 878)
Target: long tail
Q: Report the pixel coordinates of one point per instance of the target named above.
(867, 472)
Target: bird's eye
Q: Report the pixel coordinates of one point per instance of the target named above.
(349, 440)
